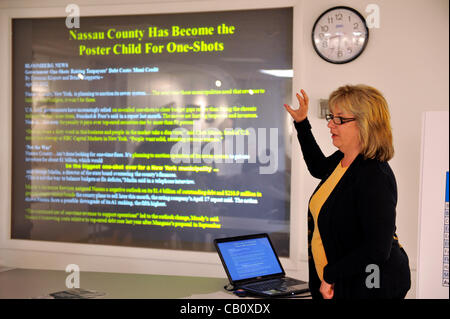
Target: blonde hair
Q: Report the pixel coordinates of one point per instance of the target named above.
(371, 111)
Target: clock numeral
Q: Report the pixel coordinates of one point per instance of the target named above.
(324, 44)
(349, 50)
(340, 53)
(339, 16)
(324, 28)
(330, 20)
(321, 36)
(355, 26)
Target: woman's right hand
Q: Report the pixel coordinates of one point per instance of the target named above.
(299, 114)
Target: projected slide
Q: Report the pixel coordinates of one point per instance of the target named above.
(160, 131)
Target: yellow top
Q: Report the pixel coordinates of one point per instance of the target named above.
(315, 205)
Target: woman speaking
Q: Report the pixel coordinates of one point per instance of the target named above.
(353, 249)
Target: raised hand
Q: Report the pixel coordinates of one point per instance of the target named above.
(299, 114)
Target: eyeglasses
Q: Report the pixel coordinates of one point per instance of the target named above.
(338, 120)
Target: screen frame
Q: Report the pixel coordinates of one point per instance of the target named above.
(251, 279)
(55, 255)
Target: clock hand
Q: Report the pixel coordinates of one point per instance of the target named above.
(339, 44)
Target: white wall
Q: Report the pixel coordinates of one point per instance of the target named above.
(406, 58)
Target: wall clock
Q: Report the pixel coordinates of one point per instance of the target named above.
(340, 35)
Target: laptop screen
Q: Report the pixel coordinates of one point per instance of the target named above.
(249, 258)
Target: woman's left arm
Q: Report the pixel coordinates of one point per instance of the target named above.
(376, 202)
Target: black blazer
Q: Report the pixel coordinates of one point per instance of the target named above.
(357, 226)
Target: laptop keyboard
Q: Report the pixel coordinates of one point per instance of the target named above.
(281, 284)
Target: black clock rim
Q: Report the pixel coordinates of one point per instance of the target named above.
(365, 42)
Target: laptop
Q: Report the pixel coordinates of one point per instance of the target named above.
(252, 265)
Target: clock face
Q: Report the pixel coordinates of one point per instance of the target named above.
(340, 35)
